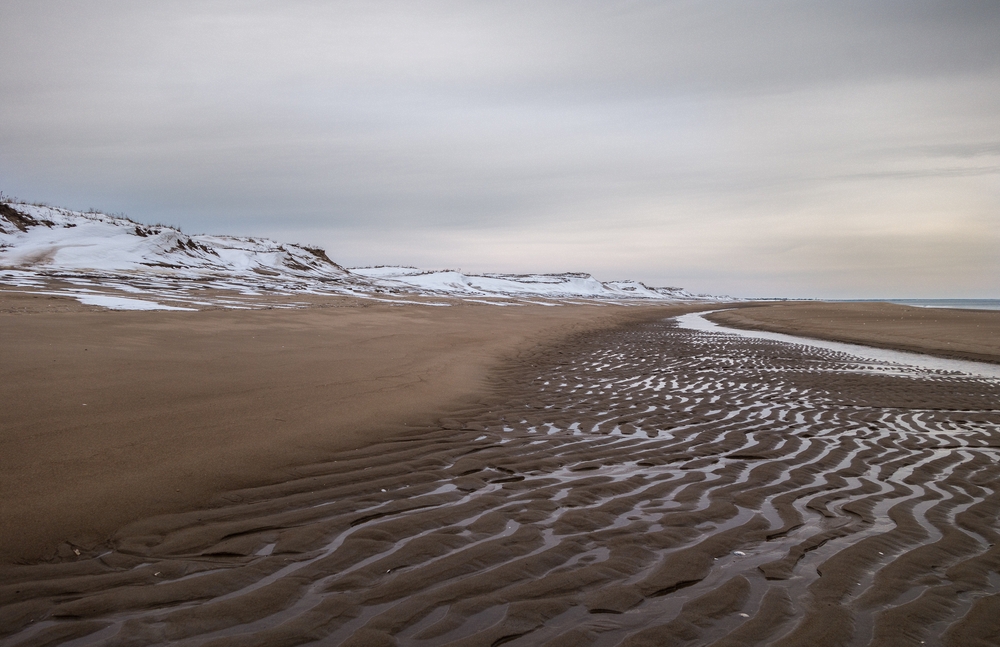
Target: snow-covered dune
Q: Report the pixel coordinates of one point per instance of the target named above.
(95, 252)
(47, 238)
(557, 286)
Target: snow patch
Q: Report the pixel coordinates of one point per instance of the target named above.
(123, 303)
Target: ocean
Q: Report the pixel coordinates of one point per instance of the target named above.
(968, 304)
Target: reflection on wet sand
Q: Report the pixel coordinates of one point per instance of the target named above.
(644, 486)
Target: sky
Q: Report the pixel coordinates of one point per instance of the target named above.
(757, 149)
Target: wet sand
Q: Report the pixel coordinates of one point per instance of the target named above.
(630, 485)
(110, 417)
(954, 333)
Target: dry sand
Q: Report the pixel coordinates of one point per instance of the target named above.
(634, 484)
(960, 334)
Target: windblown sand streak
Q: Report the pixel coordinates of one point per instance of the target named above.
(641, 486)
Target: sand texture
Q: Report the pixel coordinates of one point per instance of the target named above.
(109, 417)
(638, 485)
(960, 334)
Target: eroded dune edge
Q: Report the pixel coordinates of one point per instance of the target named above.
(644, 485)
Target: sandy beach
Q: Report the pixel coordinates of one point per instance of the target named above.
(113, 416)
(484, 476)
(494, 324)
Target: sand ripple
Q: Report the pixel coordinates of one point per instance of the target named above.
(646, 486)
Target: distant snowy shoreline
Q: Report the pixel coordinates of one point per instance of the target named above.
(95, 252)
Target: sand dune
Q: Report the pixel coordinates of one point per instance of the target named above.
(642, 485)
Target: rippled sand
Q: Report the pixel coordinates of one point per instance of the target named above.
(641, 486)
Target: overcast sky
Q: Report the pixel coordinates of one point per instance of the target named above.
(814, 149)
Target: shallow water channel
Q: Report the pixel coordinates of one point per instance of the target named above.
(697, 321)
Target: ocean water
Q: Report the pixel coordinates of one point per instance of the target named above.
(969, 304)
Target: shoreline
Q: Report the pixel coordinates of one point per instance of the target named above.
(963, 334)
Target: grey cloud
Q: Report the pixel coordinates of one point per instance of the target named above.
(661, 135)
